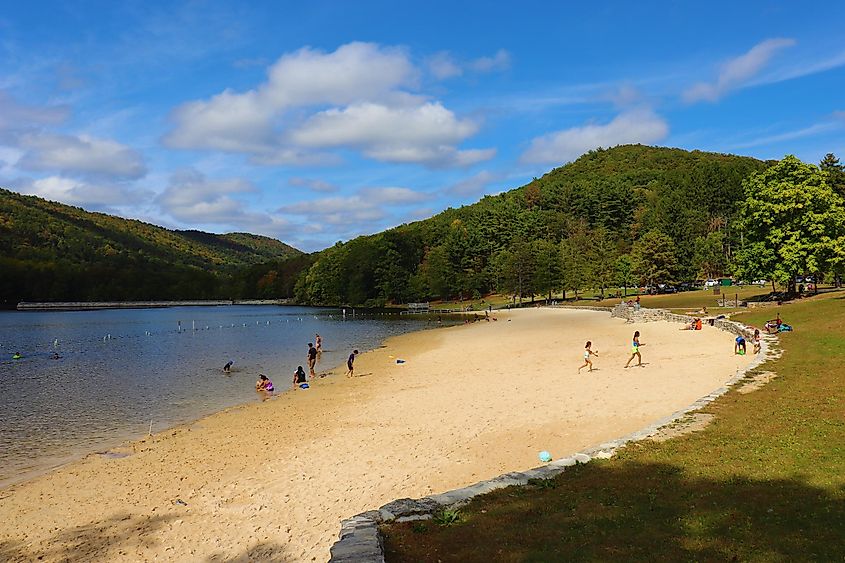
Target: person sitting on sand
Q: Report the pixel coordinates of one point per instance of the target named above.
(587, 353)
(263, 384)
(690, 326)
(739, 345)
(635, 349)
(756, 340)
(228, 367)
(299, 376)
(350, 363)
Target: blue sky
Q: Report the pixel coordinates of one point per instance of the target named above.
(317, 122)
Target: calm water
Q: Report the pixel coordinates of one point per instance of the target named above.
(120, 369)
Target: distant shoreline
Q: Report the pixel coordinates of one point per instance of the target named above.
(96, 305)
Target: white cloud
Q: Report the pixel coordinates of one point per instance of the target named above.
(370, 109)
(737, 72)
(79, 154)
(393, 195)
(473, 185)
(352, 73)
(313, 185)
(423, 133)
(442, 66)
(834, 123)
(228, 122)
(191, 197)
(498, 62)
(639, 125)
(339, 210)
(14, 114)
(78, 192)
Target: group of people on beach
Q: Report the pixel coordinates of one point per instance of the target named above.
(300, 379)
(739, 346)
(635, 353)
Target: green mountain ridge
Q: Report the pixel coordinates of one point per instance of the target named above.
(52, 251)
(553, 233)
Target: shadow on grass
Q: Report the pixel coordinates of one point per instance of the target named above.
(120, 537)
(649, 511)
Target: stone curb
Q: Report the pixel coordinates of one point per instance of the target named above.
(360, 539)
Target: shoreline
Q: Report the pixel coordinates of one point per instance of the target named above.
(99, 305)
(470, 403)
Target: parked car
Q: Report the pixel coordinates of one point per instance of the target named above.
(711, 283)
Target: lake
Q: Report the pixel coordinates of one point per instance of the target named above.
(89, 380)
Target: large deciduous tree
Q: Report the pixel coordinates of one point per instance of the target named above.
(653, 258)
(793, 223)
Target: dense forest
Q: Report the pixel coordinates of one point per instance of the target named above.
(622, 216)
(51, 251)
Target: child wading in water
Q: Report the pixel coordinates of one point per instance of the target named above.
(587, 353)
(635, 350)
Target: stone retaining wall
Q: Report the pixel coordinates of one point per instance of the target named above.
(360, 539)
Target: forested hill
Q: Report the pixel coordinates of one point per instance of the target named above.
(602, 220)
(51, 251)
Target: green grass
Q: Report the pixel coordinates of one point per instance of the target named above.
(764, 482)
(686, 299)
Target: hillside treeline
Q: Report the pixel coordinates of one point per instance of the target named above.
(55, 252)
(623, 216)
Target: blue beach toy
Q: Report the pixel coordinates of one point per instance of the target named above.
(545, 456)
(303, 386)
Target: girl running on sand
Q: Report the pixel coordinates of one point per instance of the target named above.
(635, 350)
(587, 353)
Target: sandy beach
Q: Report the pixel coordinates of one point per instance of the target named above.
(273, 480)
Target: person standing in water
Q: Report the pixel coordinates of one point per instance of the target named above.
(350, 363)
(587, 353)
(312, 359)
(318, 343)
(635, 350)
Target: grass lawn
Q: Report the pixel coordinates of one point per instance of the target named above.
(764, 482)
(697, 298)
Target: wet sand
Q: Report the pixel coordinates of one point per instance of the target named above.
(273, 480)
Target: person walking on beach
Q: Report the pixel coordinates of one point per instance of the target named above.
(228, 367)
(635, 349)
(318, 343)
(350, 363)
(312, 359)
(587, 353)
(756, 340)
